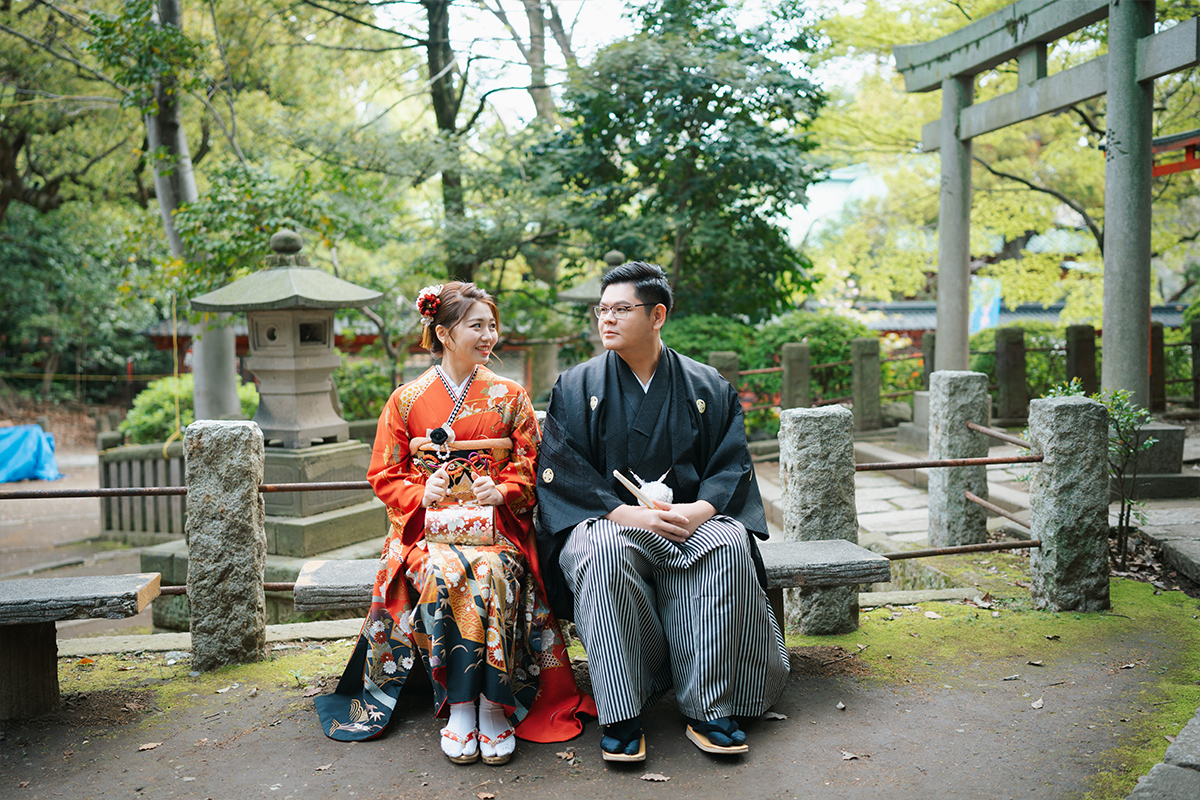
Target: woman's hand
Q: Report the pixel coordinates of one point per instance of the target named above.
(435, 488)
(487, 492)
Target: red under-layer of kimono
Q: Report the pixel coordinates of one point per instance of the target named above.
(495, 408)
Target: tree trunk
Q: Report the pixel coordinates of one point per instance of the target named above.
(543, 101)
(48, 370)
(214, 359)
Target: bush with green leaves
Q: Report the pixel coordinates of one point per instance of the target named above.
(153, 416)
(698, 335)
(364, 385)
(828, 335)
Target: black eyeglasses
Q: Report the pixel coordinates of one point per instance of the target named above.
(618, 312)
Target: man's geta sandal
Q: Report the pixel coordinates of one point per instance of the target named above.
(707, 745)
(640, 755)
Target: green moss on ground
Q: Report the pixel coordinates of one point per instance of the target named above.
(961, 647)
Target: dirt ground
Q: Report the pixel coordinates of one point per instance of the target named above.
(989, 725)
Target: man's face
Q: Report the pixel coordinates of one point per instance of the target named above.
(640, 327)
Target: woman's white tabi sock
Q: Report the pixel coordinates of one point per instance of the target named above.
(461, 724)
(492, 724)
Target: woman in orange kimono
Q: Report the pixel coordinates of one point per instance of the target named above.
(459, 584)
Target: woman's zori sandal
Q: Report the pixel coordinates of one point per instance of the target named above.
(721, 736)
(460, 749)
(623, 741)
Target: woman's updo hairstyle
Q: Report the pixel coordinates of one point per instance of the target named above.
(453, 302)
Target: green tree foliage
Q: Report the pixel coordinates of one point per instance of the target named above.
(687, 142)
(63, 311)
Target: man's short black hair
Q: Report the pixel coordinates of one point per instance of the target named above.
(649, 283)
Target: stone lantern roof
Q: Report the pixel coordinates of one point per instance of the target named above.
(288, 282)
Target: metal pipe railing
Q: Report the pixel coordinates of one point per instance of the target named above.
(1001, 435)
(995, 509)
(887, 466)
(160, 491)
(962, 548)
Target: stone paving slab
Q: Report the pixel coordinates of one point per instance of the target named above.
(889, 491)
(896, 521)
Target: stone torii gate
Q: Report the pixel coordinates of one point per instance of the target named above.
(1021, 32)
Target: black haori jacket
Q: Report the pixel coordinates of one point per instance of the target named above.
(586, 436)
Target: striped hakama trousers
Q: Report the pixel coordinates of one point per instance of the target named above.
(653, 615)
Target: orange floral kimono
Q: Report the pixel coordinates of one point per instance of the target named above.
(477, 616)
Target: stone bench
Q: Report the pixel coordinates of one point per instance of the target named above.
(29, 607)
(331, 585)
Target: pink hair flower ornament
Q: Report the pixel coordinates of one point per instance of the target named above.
(428, 302)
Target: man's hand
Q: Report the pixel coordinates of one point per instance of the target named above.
(487, 492)
(435, 488)
(697, 513)
(666, 522)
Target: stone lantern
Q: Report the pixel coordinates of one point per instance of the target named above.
(289, 310)
(588, 293)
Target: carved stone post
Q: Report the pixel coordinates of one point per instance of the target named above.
(955, 398)
(227, 543)
(816, 465)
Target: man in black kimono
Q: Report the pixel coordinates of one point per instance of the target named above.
(669, 596)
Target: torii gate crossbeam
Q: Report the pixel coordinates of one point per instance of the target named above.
(1022, 32)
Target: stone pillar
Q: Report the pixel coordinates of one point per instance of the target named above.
(726, 363)
(797, 376)
(1158, 368)
(928, 356)
(1069, 504)
(816, 467)
(543, 369)
(1081, 356)
(28, 670)
(226, 541)
(1127, 183)
(1012, 397)
(214, 369)
(864, 384)
(954, 229)
(955, 398)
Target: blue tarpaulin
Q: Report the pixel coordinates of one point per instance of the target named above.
(27, 453)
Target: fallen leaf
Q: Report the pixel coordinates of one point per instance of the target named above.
(125, 669)
(565, 754)
(254, 692)
(848, 756)
(85, 660)
(995, 613)
(1035, 663)
(1128, 666)
(23, 785)
(322, 769)
(932, 615)
(485, 796)
(841, 706)
(313, 692)
(1053, 636)
(1170, 738)
(223, 691)
(149, 746)
(1011, 677)
(773, 715)
(654, 776)
(1037, 703)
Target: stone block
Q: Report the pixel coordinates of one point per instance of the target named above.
(895, 413)
(1167, 782)
(955, 398)
(342, 461)
(1165, 456)
(1069, 504)
(316, 533)
(1185, 750)
(227, 546)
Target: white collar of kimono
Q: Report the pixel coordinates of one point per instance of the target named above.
(457, 387)
(645, 386)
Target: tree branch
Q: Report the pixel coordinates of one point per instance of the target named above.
(1088, 122)
(1076, 207)
(418, 41)
(63, 57)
